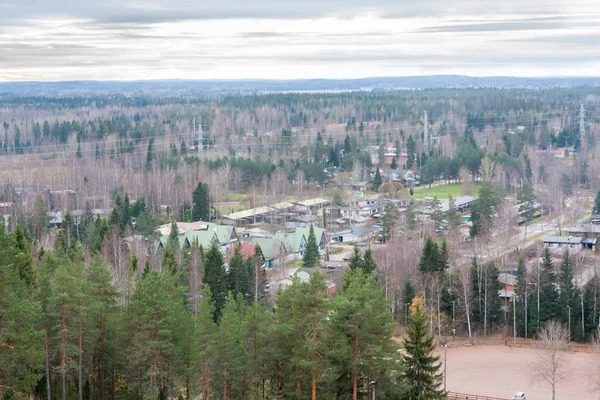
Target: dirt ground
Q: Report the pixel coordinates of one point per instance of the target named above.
(501, 371)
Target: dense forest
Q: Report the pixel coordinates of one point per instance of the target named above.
(68, 332)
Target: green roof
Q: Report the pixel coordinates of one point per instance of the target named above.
(165, 238)
(270, 247)
(319, 232)
(204, 238)
(292, 241)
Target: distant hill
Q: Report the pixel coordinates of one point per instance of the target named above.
(158, 87)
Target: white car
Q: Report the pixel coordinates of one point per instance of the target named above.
(519, 396)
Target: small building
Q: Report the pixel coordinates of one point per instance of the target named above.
(272, 249)
(319, 234)
(354, 235)
(570, 242)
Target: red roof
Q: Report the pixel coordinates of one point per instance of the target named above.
(247, 250)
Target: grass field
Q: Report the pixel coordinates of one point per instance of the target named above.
(443, 191)
(225, 209)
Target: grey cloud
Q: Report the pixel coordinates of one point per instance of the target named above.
(149, 11)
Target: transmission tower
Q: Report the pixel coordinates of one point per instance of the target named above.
(582, 122)
(425, 133)
(200, 138)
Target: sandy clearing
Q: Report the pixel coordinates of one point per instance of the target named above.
(501, 371)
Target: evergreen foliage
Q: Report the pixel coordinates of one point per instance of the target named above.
(312, 253)
(421, 367)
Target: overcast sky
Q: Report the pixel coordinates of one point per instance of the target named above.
(46, 40)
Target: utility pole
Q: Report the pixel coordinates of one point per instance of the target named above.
(425, 134)
(514, 298)
(569, 307)
(581, 122)
(200, 138)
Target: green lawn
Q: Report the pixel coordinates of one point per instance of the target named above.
(225, 209)
(442, 192)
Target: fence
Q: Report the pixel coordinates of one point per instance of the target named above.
(464, 396)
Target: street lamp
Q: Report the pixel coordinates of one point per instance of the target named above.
(373, 384)
(569, 307)
(444, 347)
(453, 315)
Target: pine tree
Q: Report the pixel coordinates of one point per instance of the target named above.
(312, 253)
(394, 165)
(203, 354)
(421, 368)
(229, 358)
(21, 339)
(201, 203)
(156, 308)
(215, 277)
(361, 331)
(301, 310)
(238, 278)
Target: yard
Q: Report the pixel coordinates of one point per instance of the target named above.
(443, 191)
(501, 371)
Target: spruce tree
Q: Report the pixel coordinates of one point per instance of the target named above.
(368, 265)
(356, 259)
(201, 203)
(521, 292)
(389, 221)
(549, 308)
(421, 367)
(215, 277)
(567, 292)
(453, 216)
(377, 180)
(238, 279)
(312, 253)
(596, 209)
(430, 257)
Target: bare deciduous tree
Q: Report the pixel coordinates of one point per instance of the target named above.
(550, 364)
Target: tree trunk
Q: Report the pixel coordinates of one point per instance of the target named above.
(355, 368)
(48, 389)
(63, 356)
(101, 358)
(80, 386)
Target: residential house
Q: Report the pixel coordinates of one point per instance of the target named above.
(295, 243)
(272, 249)
(508, 283)
(319, 234)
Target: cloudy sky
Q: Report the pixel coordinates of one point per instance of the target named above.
(46, 40)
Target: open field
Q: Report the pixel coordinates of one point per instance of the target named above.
(501, 371)
(443, 191)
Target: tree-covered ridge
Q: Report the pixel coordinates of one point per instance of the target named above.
(68, 331)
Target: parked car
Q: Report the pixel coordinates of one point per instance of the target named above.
(519, 396)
